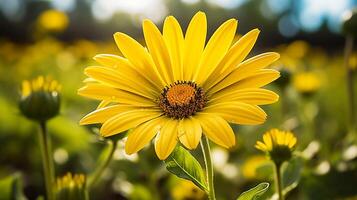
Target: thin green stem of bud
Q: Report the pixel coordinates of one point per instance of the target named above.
(47, 161)
(349, 79)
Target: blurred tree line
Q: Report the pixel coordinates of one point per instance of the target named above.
(83, 24)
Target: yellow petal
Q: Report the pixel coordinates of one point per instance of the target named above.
(195, 39)
(234, 56)
(261, 146)
(26, 88)
(215, 50)
(158, 51)
(122, 80)
(258, 79)
(287, 138)
(166, 139)
(189, 132)
(123, 64)
(268, 141)
(103, 104)
(103, 114)
(238, 113)
(292, 142)
(127, 120)
(139, 57)
(141, 135)
(255, 96)
(216, 129)
(90, 80)
(246, 69)
(103, 92)
(174, 40)
(258, 62)
(110, 60)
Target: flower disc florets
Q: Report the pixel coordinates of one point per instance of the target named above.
(182, 99)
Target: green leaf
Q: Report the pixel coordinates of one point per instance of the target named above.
(11, 188)
(184, 165)
(17, 188)
(292, 172)
(291, 175)
(255, 192)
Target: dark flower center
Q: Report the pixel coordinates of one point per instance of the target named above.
(182, 99)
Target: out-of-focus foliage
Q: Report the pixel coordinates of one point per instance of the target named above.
(11, 187)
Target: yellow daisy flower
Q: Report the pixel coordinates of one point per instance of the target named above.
(306, 82)
(53, 20)
(278, 145)
(179, 87)
(250, 166)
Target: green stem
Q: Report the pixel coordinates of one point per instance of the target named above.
(103, 165)
(209, 167)
(278, 183)
(47, 161)
(350, 89)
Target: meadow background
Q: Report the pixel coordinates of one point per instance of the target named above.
(59, 38)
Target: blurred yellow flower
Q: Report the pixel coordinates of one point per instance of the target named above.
(251, 165)
(71, 187)
(178, 88)
(53, 20)
(278, 145)
(297, 49)
(40, 98)
(306, 82)
(186, 190)
(84, 48)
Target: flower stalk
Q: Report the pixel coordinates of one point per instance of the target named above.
(209, 167)
(47, 161)
(350, 88)
(278, 183)
(111, 146)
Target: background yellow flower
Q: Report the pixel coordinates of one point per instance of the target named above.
(53, 20)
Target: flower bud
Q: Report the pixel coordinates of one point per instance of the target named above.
(278, 145)
(71, 187)
(40, 99)
(306, 83)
